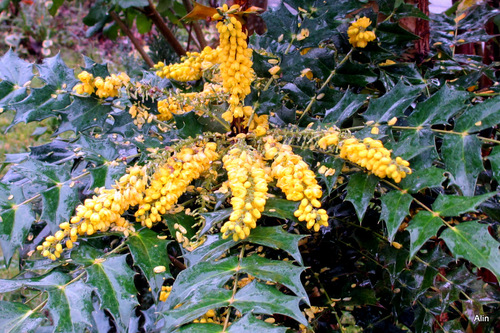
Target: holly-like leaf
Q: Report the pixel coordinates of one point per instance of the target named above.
(454, 205)
(18, 318)
(345, 108)
(473, 242)
(214, 273)
(438, 108)
(335, 163)
(59, 202)
(206, 297)
(479, 117)
(423, 226)
(264, 299)
(393, 103)
(494, 158)
(15, 220)
(360, 191)
(149, 252)
(280, 208)
(395, 207)
(462, 155)
(55, 73)
(246, 324)
(425, 178)
(113, 282)
(82, 114)
(275, 271)
(188, 124)
(14, 69)
(213, 247)
(212, 218)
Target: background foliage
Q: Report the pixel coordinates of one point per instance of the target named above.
(419, 255)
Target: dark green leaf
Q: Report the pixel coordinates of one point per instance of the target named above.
(423, 226)
(336, 164)
(354, 74)
(438, 108)
(56, 74)
(473, 242)
(348, 105)
(90, 65)
(82, 114)
(279, 21)
(264, 299)
(149, 252)
(106, 175)
(281, 208)
(58, 205)
(395, 207)
(206, 297)
(418, 147)
(15, 221)
(462, 155)
(276, 271)
(277, 238)
(212, 218)
(420, 179)
(55, 6)
(213, 273)
(114, 284)
(480, 116)
(454, 205)
(14, 69)
(17, 317)
(360, 191)
(188, 124)
(211, 249)
(251, 324)
(392, 104)
(494, 158)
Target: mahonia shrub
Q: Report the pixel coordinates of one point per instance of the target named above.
(309, 179)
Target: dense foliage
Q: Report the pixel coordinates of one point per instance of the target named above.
(307, 179)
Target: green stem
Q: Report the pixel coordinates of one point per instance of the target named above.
(332, 74)
(235, 287)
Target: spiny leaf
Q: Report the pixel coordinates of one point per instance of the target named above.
(212, 218)
(17, 317)
(82, 114)
(421, 179)
(211, 249)
(14, 69)
(55, 73)
(264, 299)
(113, 282)
(149, 252)
(188, 124)
(345, 108)
(438, 108)
(480, 116)
(203, 273)
(395, 207)
(246, 324)
(15, 220)
(423, 226)
(360, 191)
(280, 208)
(473, 242)
(494, 158)
(58, 205)
(462, 155)
(335, 163)
(393, 103)
(204, 298)
(454, 205)
(275, 271)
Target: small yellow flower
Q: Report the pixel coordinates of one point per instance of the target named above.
(358, 35)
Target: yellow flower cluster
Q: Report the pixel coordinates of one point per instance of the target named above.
(372, 155)
(209, 317)
(140, 114)
(99, 213)
(164, 293)
(108, 87)
(192, 65)
(358, 35)
(170, 106)
(171, 180)
(298, 183)
(248, 182)
(235, 65)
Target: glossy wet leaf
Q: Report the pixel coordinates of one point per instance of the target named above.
(59, 204)
(454, 205)
(494, 158)
(421, 179)
(479, 116)
(82, 114)
(360, 190)
(17, 317)
(395, 207)
(462, 156)
(280, 208)
(14, 69)
(148, 252)
(345, 108)
(113, 282)
(423, 226)
(473, 242)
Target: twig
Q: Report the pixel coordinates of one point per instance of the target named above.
(176, 262)
(130, 36)
(164, 30)
(197, 30)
